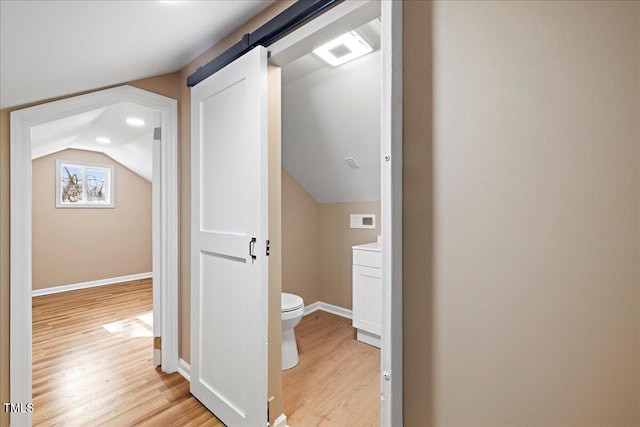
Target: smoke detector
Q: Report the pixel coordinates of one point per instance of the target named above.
(353, 164)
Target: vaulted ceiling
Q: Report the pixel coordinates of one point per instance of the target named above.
(55, 48)
(330, 114)
(130, 145)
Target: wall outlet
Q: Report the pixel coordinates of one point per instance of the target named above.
(362, 221)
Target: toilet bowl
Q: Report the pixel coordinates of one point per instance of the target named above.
(292, 309)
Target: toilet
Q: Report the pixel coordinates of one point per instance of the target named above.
(292, 309)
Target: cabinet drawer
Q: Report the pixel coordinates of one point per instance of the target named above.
(367, 258)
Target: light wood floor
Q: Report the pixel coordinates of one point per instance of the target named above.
(92, 365)
(93, 362)
(337, 382)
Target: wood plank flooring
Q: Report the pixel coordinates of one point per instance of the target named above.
(92, 365)
(337, 382)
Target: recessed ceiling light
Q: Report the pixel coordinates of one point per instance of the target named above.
(103, 140)
(343, 49)
(134, 121)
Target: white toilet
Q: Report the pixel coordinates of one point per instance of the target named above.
(292, 309)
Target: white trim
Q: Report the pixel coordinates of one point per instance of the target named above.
(308, 309)
(169, 237)
(281, 421)
(184, 369)
(391, 225)
(369, 338)
(91, 284)
(329, 308)
(156, 236)
(20, 274)
(21, 232)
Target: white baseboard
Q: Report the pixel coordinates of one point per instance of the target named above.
(184, 369)
(91, 284)
(281, 421)
(329, 308)
(369, 338)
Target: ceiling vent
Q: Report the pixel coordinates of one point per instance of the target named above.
(352, 163)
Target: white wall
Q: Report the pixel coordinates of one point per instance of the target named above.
(537, 224)
(328, 115)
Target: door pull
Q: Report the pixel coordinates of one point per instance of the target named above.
(252, 248)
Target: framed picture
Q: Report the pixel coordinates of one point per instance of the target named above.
(84, 185)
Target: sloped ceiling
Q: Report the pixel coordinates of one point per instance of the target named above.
(132, 146)
(55, 48)
(328, 115)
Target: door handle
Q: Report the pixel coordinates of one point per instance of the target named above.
(252, 248)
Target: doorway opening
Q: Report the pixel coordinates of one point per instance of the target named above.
(331, 215)
(293, 51)
(98, 232)
(161, 170)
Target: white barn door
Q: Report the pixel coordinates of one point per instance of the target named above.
(229, 268)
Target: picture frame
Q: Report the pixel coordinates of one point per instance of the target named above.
(84, 185)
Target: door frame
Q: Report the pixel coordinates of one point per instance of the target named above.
(165, 228)
(301, 41)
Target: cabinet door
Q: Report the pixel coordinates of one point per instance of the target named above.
(367, 298)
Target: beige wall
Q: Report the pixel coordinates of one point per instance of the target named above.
(300, 241)
(80, 245)
(536, 149)
(336, 240)
(316, 244)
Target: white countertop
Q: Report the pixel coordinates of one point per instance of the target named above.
(373, 247)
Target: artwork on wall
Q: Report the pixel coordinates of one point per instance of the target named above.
(84, 185)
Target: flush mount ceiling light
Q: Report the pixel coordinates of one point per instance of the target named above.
(343, 49)
(103, 140)
(134, 121)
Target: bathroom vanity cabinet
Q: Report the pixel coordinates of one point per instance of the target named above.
(367, 292)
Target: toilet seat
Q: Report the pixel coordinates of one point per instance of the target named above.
(290, 302)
